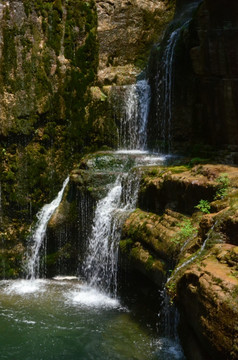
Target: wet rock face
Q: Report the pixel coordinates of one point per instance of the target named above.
(204, 282)
(204, 84)
(38, 60)
(207, 296)
(206, 100)
(48, 61)
(126, 31)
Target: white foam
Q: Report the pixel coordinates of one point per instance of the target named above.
(65, 277)
(170, 348)
(92, 298)
(30, 322)
(131, 152)
(22, 287)
(152, 159)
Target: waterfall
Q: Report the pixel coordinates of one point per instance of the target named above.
(164, 80)
(38, 234)
(100, 265)
(167, 87)
(164, 90)
(133, 121)
(194, 257)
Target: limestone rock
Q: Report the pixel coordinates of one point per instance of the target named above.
(126, 31)
(207, 295)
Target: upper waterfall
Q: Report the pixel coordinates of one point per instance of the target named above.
(133, 121)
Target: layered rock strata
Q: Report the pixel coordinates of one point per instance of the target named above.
(198, 241)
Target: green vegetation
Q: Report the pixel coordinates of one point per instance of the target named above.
(204, 206)
(171, 289)
(186, 229)
(223, 186)
(196, 161)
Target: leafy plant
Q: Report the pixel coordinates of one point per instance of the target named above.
(223, 186)
(186, 229)
(204, 206)
(171, 290)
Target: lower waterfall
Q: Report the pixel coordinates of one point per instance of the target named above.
(83, 317)
(66, 317)
(37, 235)
(100, 266)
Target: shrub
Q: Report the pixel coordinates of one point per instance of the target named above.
(204, 206)
(223, 186)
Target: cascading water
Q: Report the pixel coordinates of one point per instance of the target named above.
(197, 254)
(166, 88)
(163, 81)
(133, 122)
(100, 265)
(38, 234)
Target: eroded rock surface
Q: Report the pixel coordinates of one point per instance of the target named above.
(126, 31)
(201, 247)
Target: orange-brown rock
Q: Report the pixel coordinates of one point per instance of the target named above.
(207, 294)
(126, 31)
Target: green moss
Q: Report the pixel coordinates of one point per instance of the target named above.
(149, 263)
(9, 54)
(126, 245)
(53, 118)
(10, 264)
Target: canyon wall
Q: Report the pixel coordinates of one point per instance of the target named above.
(204, 88)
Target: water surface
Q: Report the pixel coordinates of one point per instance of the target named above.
(62, 319)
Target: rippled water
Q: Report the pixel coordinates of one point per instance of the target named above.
(64, 319)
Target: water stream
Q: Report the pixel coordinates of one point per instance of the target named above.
(38, 234)
(133, 122)
(82, 318)
(164, 79)
(196, 255)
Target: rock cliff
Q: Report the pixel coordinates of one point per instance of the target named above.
(48, 61)
(204, 83)
(126, 32)
(185, 230)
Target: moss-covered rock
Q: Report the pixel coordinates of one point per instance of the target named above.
(207, 297)
(48, 62)
(202, 247)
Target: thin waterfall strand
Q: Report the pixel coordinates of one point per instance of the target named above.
(194, 257)
(165, 89)
(37, 237)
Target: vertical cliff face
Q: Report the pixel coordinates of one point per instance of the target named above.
(214, 63)
(204, 88)
(48, 61)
